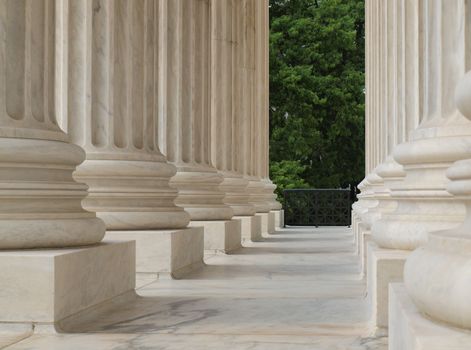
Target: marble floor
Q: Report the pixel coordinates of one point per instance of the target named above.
(299, 289)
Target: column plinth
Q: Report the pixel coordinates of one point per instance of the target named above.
(437, 275)
(40, 202)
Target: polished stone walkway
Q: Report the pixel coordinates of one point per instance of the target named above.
(299, 289)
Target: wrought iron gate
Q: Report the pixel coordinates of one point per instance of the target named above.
(318, 207)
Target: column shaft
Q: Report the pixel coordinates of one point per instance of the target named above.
(224, 115)
(442, 137)
(188, 116)
(112, 99)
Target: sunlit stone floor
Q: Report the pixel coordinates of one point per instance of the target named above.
(299, 289)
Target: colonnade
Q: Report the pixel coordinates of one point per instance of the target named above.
(410, 221)
(141, 122)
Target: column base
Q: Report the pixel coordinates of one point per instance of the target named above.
(384, 266)
(268, 222)
(279, 218)
(45, 287)
(165, 253)
(222, 236)
(411, 330)
(251, 228)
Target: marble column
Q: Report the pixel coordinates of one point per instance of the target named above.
(437, 275)
(262, 107)
(396, 103)
(224, 115)
(113, 101)
(442, 137)
(187, 123)
(40, 203)
(252, 19)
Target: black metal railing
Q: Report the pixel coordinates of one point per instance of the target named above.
(318, 207)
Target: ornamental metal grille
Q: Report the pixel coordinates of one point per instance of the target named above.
(318, 207)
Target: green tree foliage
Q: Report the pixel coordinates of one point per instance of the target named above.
(317, 92)
(287, 174)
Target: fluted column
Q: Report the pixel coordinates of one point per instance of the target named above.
(224, 109)
(249, 96)
(40, 203)
(187, 118)
(263, 100)
(437, 275)
(112, 104)
(442, 138)
(391, 102)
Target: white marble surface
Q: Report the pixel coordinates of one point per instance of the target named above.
(279, 218)
(268, 222)
(385, 266)
(47, 286)
(250, 228)
(222, 236)
(165, 253)
(411, 330)
(298, 289)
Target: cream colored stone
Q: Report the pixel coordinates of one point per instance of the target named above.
(41, 204)
(47, 286)
(165, 253)
(299, 291)
(112, 97)
(443, 136)
(411, 330)
(279, 218)
(268, 222)
(251, 227)
(385, 266)
(222, 236)
(437, 275)
(364, 239)
(185, 118)
(258, 195)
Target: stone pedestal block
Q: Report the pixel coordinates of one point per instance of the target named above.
(165, 253)
(364, 237)
(221, 236)
(48, 286)
(384, 266)
(251, 227)
(411, 330)
(279, 218)
(268, 222)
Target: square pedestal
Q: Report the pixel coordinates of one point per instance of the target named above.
(384, 266)
(356, 232)
(410, 330)
(165, 253)
(268, 222)
(279, 218)
(363, 239)
(251, 227)
(48, 285)
(221, 236)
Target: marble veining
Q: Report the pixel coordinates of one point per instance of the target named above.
(298, 289)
